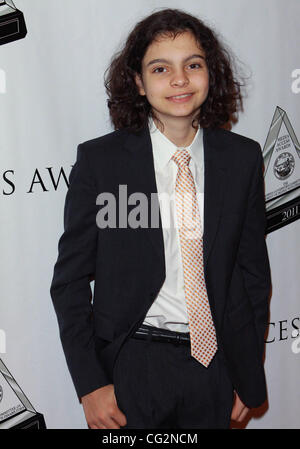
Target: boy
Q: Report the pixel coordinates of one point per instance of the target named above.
(174, 335)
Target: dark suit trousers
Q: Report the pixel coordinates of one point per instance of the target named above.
(160, 385)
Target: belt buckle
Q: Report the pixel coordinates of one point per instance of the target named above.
(177, 340)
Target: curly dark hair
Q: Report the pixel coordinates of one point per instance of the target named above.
(128, 109)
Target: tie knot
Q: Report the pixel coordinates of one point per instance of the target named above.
(182, 158)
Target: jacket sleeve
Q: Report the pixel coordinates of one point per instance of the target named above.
(70, 288)
(252, 255)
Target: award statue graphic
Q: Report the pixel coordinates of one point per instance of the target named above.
(16, 412)
(12, 22)
(282, 173)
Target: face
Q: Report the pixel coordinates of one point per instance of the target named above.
(175, 78)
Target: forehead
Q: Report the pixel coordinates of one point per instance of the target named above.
(166, 45)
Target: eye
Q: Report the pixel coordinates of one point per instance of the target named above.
(158, 68)
(195, 64)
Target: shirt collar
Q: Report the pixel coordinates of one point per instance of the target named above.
(163, 148)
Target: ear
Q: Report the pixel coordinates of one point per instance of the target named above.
(139, 83)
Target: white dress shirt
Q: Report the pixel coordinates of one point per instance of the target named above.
(168, 310)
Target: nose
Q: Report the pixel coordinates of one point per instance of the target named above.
(179, 78)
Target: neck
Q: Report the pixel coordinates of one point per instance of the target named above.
(181, 133)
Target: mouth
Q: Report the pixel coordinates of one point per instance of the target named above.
(180, 98)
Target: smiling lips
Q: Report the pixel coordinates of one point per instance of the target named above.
(180, 98)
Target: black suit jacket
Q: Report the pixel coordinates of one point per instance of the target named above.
(128, 264)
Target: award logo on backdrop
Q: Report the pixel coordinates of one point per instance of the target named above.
(282, 172)
(16, 411)
(12, 23)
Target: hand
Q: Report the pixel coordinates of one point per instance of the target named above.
(239, 410)
(101, 409)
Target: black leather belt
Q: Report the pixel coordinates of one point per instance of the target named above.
(155, 334)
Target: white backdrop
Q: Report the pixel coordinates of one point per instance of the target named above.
(52, 97)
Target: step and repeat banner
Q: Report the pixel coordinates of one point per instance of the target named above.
(53, 55)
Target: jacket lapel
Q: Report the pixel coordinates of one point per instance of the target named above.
(141, 166)
(214, 187)
(142, 170)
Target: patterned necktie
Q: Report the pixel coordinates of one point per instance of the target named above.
(202, 330)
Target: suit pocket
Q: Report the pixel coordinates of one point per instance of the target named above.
(240, 316)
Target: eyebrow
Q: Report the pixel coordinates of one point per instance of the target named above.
(154, 61)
